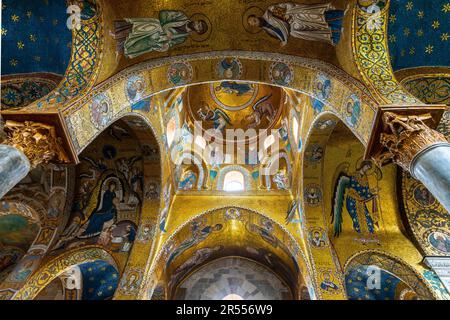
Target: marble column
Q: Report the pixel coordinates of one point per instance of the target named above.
(417, 148)
(14, 166)
(441, 266)
(432, 168)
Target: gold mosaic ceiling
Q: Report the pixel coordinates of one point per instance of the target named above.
(242, 105)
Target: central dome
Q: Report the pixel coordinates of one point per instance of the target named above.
(235, 105)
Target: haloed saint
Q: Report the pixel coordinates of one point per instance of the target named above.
(314, 22)
(137, 36)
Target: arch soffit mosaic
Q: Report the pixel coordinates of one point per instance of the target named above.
(369, 41)
(53, 268)
(217, 262)
(149, 276)
(142, 120)
(322, 125)
(386, 260)
(395, 266)
(258, 67)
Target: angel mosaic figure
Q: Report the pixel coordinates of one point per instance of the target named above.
(315, 22)
(361, 201)
(199, 234)
(261, 109)
(217, 116)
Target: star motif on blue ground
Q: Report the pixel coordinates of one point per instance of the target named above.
(25, 27)
(421, 29)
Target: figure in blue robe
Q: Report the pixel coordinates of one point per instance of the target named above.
(188, 181)
(322, 92)
(129, 238)
(357, 193)
(228, 68)
(314, 22)
(234, 87)
(354, 111)
(106, 213)
(328, 285)
(334, 19)
(143, 105)
(131, 234)
(227, 64)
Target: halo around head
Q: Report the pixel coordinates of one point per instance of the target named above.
(256, 11)
(201, 37)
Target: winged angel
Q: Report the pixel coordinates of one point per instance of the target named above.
(352, 191)
(217, 116)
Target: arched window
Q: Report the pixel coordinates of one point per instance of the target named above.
(232, 296)
(270, 140)
(295, 129)
(170, 131)
(234, 181)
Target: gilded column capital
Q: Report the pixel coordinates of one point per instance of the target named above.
(406, 137)
(400, 133)
(38, 141)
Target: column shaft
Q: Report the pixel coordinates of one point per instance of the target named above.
(432, 168)
(14, 166)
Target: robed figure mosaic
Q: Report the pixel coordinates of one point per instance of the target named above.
(314, 22)
(353, 192)
(106, 213)
(136, 36)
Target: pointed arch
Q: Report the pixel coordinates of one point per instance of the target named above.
(394, 268)
(55, 267)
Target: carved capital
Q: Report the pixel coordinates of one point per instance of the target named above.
(406, 137)
(38, 141)
(400, 133)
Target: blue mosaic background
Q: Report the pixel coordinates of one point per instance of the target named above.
(34, 36)
(100, 280)
(419, 33)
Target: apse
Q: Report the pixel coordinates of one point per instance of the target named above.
(233, 278)
(231, 251)
(234, 105)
